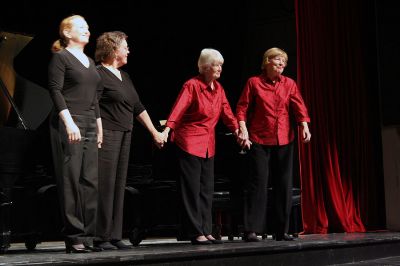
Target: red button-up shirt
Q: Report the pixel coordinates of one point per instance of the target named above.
(265, 107)
(195, 114)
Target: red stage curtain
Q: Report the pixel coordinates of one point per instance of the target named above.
(336, 165)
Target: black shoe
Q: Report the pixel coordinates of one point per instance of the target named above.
(93, 248)
(120, 245)
(216, 241)
(251, 237)
(72, 249)
(105, 245)
(194, 241)
(285, 237)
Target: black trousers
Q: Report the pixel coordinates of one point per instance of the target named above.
(76, 174)
(113, 169)
(256, 193)
(196, 184)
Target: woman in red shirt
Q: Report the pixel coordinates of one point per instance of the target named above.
(199, 106)
(263, 112)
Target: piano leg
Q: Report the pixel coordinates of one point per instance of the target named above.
(5, 216)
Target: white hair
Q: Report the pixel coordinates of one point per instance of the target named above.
(207, 57)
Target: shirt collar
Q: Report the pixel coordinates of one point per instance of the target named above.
(266, 79)
(204, 86)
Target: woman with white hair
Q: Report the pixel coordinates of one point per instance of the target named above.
(200, 104)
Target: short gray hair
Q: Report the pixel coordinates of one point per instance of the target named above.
(207, 57)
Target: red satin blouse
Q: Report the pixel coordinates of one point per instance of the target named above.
(195, 114)
(265, 107)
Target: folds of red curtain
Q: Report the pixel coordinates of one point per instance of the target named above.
(332, 83)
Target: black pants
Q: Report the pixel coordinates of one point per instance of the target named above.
(255, 209)
(113, 169)
(76, 174)
(196, 184)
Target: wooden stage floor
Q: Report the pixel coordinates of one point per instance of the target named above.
(329, 249)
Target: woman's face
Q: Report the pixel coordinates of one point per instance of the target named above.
(121, 54)
(79, 32)
(277, 64)
(213, 72)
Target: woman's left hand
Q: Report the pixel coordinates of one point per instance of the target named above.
(99, 128)
(305, 132)
(158, 138)
(99, 140)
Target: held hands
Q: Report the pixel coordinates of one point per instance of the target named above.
(164, 137)
(242, 136)
(246, 145)
(158, 139)
(165, 134)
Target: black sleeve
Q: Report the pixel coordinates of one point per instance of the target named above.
(56, 72)
(138, 108)
(99, 93)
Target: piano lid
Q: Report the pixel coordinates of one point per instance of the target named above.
(10, 46)
(32, 100)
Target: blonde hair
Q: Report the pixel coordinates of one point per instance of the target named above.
(272, 52)
(207, 57)
(66, 23)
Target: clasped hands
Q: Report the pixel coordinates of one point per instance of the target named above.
(242, 138)
(160, 138)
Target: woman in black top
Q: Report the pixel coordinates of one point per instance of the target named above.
(119, 105)
(76, 132)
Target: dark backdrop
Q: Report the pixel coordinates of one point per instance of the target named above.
(388, 47)
(165, 39)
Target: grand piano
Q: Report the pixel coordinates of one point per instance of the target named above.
(24, 149)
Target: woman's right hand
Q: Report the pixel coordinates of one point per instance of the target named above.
(73, 132)
(246, 145)
(166, 133)
(243, 136)
(158, 139)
